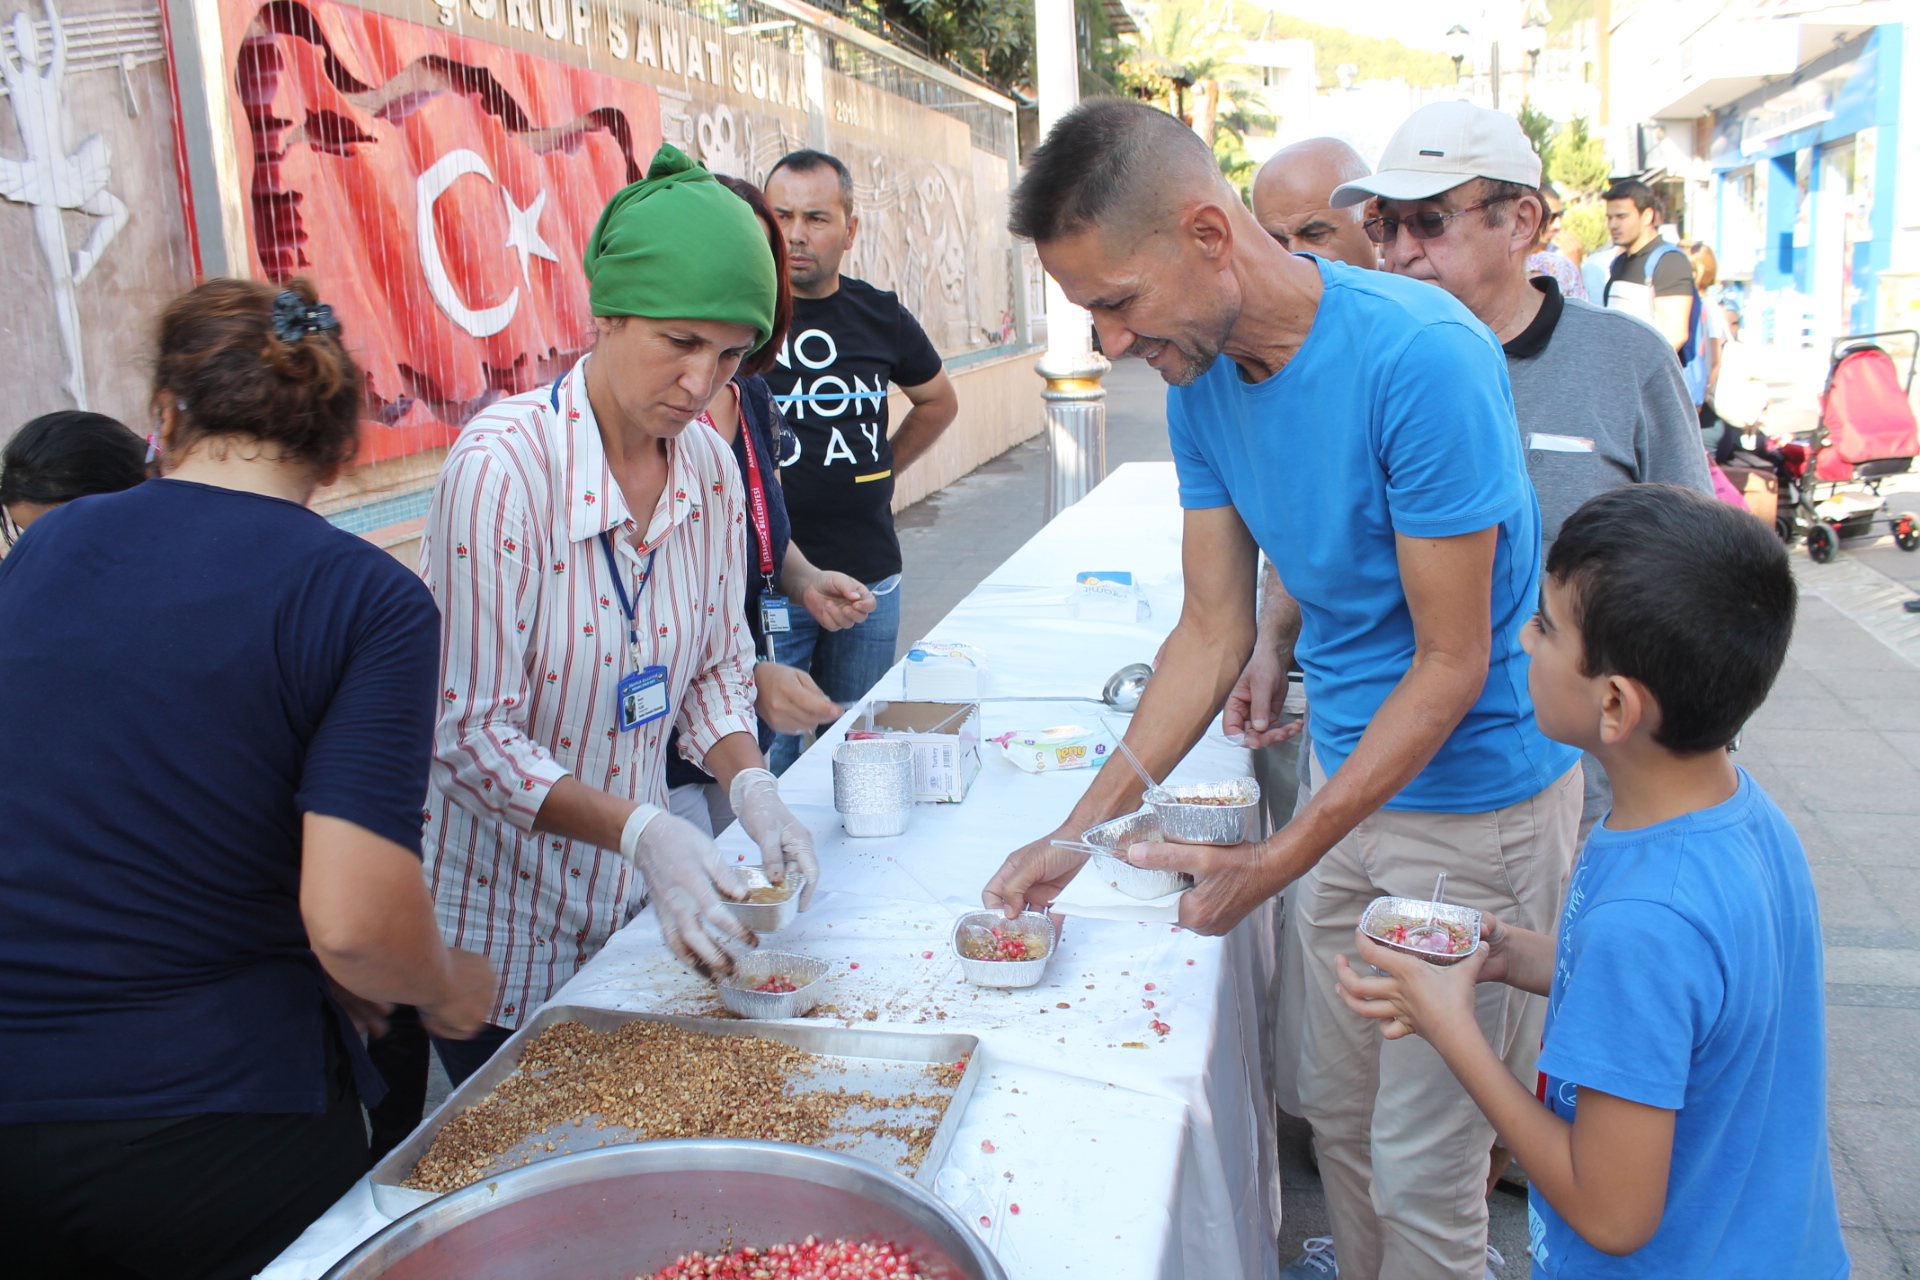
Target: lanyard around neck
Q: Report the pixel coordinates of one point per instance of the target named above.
(757, 498)
(630, 607)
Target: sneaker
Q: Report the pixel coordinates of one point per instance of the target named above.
(1494, 1260)
(1315, 1264)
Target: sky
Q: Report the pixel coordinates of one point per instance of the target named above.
(1420, 23)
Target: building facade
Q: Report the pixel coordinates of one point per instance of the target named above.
(1783, 135)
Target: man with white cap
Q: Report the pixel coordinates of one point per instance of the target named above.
(1598, 395)
(1361, 433)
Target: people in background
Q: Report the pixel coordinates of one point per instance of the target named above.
(1715, 329)
(1684, 1070)
(220, 715)
(1359, 431)
(61, 456)
(780, 580)
(849, 342)
(587, 547)
(1546, 258)
(1650, 277)
(1290, 201)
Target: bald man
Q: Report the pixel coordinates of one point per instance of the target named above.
(1291, 200)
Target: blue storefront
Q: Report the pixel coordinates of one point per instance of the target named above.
(1805, 182)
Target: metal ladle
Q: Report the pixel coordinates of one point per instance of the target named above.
(1122, 691)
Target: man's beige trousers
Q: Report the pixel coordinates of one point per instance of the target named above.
(1402, 1148)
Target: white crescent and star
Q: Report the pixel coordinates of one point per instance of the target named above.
(523, 238)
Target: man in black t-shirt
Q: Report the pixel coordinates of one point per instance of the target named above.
(847, 343)
(1633, 223)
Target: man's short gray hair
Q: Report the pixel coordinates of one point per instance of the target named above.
(1496, 194)
(1106, 161)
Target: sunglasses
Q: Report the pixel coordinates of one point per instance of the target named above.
(1428, 224)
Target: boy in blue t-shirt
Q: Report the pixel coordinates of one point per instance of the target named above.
(1684, 1067)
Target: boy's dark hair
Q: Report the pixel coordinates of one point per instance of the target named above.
(1635, 190)
(1688, 595)
(69, 454)
(809, 161)
(1099, 162)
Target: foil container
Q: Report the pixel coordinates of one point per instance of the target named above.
(766, 917)
(873, 786)
(1007, 973)
(1382, 914)
(1188, 822)
(1135, 882)
(804, 971)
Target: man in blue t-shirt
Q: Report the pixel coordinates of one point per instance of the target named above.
(1361, 433)
(1685, 1131)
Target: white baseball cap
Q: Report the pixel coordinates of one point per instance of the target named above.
(1441, 146)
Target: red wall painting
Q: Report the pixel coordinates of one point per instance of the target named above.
(438, 190)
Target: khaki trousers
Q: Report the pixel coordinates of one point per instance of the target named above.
(1402, 1148)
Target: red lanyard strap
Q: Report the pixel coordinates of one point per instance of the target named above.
(757, 497)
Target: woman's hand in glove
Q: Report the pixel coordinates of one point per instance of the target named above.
(785, 843)
(685, 878)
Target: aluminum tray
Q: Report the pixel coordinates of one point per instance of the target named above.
(887, 1062)
(1136, 882)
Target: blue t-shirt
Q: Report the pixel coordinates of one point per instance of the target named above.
(1688, 976)
(184, 672)
(1394, 416)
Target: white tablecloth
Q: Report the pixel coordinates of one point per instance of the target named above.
(1154, 1161)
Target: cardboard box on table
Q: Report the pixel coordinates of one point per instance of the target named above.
(945, 738)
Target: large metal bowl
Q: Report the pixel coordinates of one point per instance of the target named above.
(628, 1211)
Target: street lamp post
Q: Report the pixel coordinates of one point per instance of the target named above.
(1076, 403)
(1459, 42)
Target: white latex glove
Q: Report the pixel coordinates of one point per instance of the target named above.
(785, 843)
(683, 869)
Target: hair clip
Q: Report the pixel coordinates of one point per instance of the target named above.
(294, 318)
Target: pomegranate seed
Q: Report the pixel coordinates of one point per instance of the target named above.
(985, 1221)
(1013, 1208)
(1149, 1004)
(926, 955)
(1189, 962)
(1149, 986)
(854, 965)
(986, 1145)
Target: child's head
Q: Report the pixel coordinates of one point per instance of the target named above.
(1662, 612)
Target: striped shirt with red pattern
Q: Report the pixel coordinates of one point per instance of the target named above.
(533, 643)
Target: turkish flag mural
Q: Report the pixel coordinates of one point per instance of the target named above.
(439, 191)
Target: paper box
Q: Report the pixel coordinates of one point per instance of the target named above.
(942, 671)
(945, 738)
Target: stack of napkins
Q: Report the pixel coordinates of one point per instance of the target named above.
(938, 671)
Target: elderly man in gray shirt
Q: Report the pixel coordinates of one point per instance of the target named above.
(1598, 394)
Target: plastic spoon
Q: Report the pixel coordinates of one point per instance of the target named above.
(1120, 741)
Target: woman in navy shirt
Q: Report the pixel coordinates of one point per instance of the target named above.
(219, 711)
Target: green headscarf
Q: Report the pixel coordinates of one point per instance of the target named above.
(679, 246)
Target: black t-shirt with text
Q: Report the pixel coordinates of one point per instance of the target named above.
(830, 381)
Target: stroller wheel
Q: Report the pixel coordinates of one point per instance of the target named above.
(1906, 534)
(1784, 528)
(1822, 542)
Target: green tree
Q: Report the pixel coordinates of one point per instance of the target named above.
(1577, 162)
(1538, 127)
(1587, 221)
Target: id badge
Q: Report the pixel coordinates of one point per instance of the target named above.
(774, 614)
(642, 697)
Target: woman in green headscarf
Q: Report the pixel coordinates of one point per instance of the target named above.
(587, 546)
